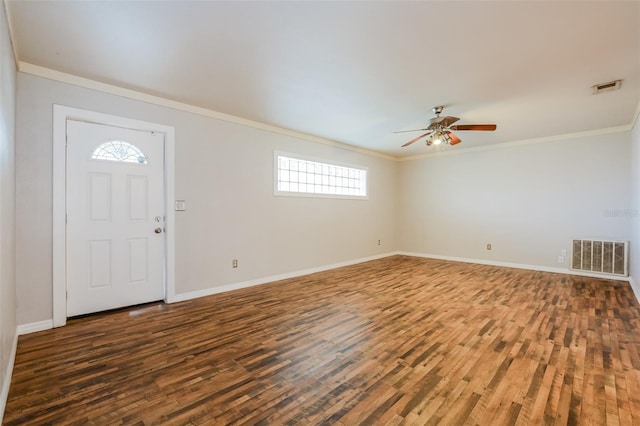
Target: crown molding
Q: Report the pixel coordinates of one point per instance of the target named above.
(86, 83)
(555, 138)
(636, 117)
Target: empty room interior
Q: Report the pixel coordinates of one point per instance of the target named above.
(310, 212)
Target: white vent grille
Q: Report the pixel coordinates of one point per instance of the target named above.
(607, 87)
(605, 257)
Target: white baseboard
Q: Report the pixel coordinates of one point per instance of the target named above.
(635, 288)
(515, 265)
(48, 324)
(6, 381)
(34, 327)
(244, 284)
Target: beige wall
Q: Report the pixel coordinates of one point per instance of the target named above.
(528, 201)
(225, 173)
(634, 249)
(7, 207)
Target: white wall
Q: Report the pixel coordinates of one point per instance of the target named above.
(634, 249)
(7, 207)
(528, 201)
(225, 173)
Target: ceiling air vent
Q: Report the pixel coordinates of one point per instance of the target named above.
(607, 87)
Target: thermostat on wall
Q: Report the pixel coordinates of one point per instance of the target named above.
(181, 205)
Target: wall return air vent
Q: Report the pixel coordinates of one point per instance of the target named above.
(600, 256)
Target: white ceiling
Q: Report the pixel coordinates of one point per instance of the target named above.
(354, 72)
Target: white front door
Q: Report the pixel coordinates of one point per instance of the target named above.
(115, 217)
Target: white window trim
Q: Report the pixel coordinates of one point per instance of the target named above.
(60, 116)
(278, 193)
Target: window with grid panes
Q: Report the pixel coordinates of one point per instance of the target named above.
(302, 176)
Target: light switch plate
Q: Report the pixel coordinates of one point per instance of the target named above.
(181, 205)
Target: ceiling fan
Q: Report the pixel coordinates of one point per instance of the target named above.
(440, 129)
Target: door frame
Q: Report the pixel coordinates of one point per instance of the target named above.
(61, 114)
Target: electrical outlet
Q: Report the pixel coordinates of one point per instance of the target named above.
(560, 259)
(488, 246)
(235, 263)
(563, 253)
(379, 243)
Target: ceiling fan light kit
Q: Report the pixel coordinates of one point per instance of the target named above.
(438, 138)
(440, 129)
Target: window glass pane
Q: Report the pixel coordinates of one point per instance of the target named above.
(120, 151)
(311, 177)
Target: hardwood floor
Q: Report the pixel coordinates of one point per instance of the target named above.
(400, 340)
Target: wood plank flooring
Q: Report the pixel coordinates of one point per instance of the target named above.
(400, 340)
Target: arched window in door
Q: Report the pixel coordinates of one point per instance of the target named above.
(119, 151)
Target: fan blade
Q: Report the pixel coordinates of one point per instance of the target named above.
(414, 130)
(415, 140)
(454, 139)
(487, 127)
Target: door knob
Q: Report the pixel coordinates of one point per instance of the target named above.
(158, 230)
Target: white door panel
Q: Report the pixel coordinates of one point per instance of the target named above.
(115, 205)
